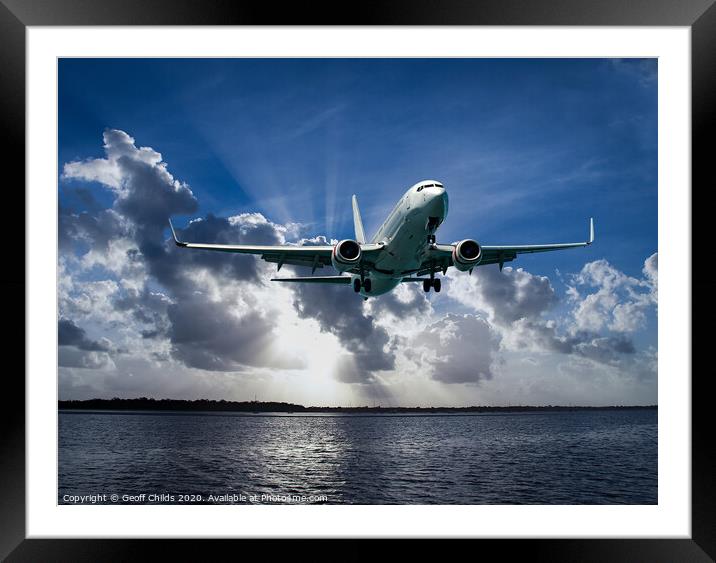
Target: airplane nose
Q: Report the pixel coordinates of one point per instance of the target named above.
(439, 201)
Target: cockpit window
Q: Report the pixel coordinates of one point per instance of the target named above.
(420, 188)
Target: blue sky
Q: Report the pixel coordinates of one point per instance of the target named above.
(528, 150)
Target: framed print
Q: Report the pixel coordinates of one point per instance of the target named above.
(545, 402)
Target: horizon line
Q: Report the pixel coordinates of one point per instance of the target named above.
(374, 407)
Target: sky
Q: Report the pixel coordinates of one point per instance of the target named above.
(269, 151)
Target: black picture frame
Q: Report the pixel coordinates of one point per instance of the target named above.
(16, 15)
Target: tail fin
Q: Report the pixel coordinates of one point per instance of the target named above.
(357, 222)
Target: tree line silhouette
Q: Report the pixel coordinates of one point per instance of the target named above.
(150, 404)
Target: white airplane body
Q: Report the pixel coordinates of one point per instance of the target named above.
(402, 250)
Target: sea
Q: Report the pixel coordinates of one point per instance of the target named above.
(571, 457)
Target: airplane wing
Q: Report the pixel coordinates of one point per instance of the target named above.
(311, 256)
(317, 279)
(440, 255)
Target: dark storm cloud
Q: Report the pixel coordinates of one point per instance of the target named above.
(70, 357)
(69, 334)
(462, 349)
(217, 329)
(78, 351)
(209, 336)
(96, 228)
(605, 349)
(147, 308)
(147, 195)
(416, 306)
(172, 266)
(516, 301)
(515, 294)
(339, 312)
(149, 198)
(202, 332)
(531, 333)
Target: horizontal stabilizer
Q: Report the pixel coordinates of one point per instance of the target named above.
(317, 279)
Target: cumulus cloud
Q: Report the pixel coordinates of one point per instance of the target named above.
(613, 299)
(405, 301)
(69, 334)
(183, 312)
(339, 312)
(77, 350)
(197, 306)
(651, 272)
(146, 192)
(75, 358)
(211, 336)
(458, 349)
(505, 296)
(606, 306)
(97, 229)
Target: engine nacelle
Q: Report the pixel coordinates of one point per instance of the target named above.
(466, 255)
(346, 255)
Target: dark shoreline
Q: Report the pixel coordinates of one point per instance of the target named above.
(202, 405)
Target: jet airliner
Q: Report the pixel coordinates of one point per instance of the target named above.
(403, 250)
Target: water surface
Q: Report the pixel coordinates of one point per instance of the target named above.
(577, 457)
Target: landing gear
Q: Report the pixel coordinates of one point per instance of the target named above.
(365, 284)
(431, 239)
(434, 283)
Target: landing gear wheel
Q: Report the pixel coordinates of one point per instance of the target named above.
(426, 286)
(366, 285)
(436, 285)
(356, 285)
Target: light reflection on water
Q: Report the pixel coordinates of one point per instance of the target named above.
(583, 457)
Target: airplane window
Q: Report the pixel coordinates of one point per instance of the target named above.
(420, 188)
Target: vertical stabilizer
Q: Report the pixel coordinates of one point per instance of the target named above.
(357, 222)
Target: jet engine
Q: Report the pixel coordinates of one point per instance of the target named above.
(466, 255)
(346, 255)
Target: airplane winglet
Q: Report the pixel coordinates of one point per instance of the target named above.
(358, 222)
(591, 230)
(176, 240)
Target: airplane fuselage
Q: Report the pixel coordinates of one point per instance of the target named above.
(405, 235)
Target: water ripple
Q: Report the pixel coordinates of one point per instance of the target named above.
(583, 457)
